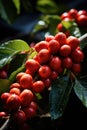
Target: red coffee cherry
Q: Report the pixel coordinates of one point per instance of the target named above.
(49, 38)
(65, 15)
(54, 75)
(73, 42)
(26, 81)
(60, 27)
(54, 46)
(33, 105)
(3, 74)
(15, 85)
(13, 102)
(15, 91)
(55, 63)
(4, 96)
(19, 75)
(61, 38)
(47, 82)
(32, 65)
(41, 45)
(73, 13)
(77, 56)
(82, 12)
(82, 20)
(65, 50)
(44, 56)
(26, 97)
(3, 114)
(76, 68)
(29, 112)
(19, 117)
(38, 86)
(44, 71)
(67, 62)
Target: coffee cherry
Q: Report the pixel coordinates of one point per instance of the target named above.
(29, 112)
(73, 42)
(82, 20)
(81, 12)
(44, 56)
(55, 63)
(32, 65)
(15, 85)
(61, 38)
(49, 38)
(65, 50)
(3, 74)
(13, 102)
(54, 46)
(19, 75)
(47, 82)
(54, 75)
(65, 15)
(19, 117)
(60, 27)
(76, 68)
(44, 71)
(4, 96)
(67, 62)
(26, 81)
(73, 13)
(33, 105)
(38, 86)
(15, 91)
(77, 56)
(3, 114)
(41, 45)
(26, 97)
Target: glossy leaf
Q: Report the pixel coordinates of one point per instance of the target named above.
(80, 89)
(9, 49)
(59, 95)
(72, 27)
(47, 24)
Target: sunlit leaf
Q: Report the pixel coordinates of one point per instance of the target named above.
(17, 5)
(72, 27)
(9, 49)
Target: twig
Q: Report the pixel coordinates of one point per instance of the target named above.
(6, 125)
(83, 37)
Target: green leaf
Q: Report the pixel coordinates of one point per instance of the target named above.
(17, 5)
(12, 77)
(72, 27)
(59, 95)
(47, 6)
(9, 49)
(8, 11)
(80, 89)
(47, 23)
(4, 85)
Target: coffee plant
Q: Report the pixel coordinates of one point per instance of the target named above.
(36, 79)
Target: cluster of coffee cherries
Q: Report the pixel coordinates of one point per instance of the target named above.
(80, 17)
(54, 55)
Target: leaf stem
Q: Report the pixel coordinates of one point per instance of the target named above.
(6, 125)
(83, 37)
